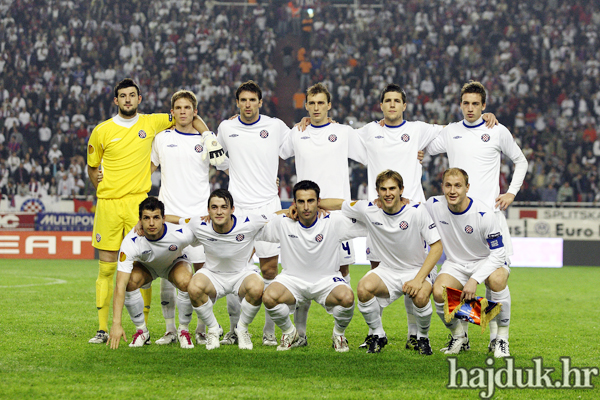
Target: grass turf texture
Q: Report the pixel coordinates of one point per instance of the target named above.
(45, 326)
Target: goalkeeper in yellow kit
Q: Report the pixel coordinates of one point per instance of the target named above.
(121, 148)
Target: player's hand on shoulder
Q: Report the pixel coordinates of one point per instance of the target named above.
(377, 202)
(138, 229)
(205, 218)
(292, 212)
(381, 122)
(233, 117)
(490, 120)
(321, 212)
(213, 148)
(304, 122)
(504, 200)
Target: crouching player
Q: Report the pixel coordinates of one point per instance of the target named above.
(310, 263)
(475, 253)
(228, 242)
(397, 231)
(141, 260)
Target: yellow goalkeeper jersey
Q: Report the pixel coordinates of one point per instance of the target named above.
(123, 148)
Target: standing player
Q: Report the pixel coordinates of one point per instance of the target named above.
(478, 151)
(475, 251)
(321, 155)
(229, 242)
(253, 142)
(159, 253)
(397, 231)
(184, 190)
(122, 147)
(310, 262)
(394, 146)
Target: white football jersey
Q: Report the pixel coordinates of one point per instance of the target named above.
(254, 151)
(470, 236)
(227, 252)
(184, 183)
(477, 150)
(400, 239)
(311, 253)
(396, 148)
(322, 154)
(157, 254)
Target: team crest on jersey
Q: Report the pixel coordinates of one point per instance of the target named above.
(142, 134)
(332, 138)
(469, 229)
(198, 148)
(173, 247)
(403, 225)
(264, 134)
(485, 137)
(239, 237)
(319, 238)
(98, 237)
(405, 138)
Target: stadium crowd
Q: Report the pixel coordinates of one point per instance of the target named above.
(538, 60)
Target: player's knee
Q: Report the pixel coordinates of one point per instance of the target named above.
(421, 300)
(132, 285)
(363, 293)
(438, 293)
(254, 293)
(194, 290)
(268, 300)
(346, 298)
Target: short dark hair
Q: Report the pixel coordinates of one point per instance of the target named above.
(126, 83)
(473, 87)
(222, 194)
(306, 185)
(249, 86)
(392, 87)
(389, 174)
(152, 203)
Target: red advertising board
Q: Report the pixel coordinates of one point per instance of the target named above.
(41, 245)
(17, 220)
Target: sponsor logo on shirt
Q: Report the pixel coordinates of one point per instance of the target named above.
(457, 137)
(379, 137)
(293, 236)
(171, 145)
(212, 240)
(403, 225)
(405, 138)
(146, 252)
(234, 135)
(198, 148)
(239, 237)
(432, 226)
(485, 137)
(142, 134)
(305, 137)
(377, 223)
(264, 134)
(469, 229)
(444, 223)
(264, 216)
(319, 238)
(332, 138)
(173, 247)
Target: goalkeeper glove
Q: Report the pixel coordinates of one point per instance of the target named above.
(213, 148)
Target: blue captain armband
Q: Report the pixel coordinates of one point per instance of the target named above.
(495, 241)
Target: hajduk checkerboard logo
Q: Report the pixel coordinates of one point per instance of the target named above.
(264, 134)
(142, 134)
(485, 137)
(319, 238)
(332, 138)
(404, 225)
(173, 247)
(239, 237)
(469, 229)
(405, 138)
(198, 148)
(98, 237)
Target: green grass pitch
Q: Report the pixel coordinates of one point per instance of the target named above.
(47, 315)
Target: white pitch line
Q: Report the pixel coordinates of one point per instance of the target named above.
(55, 282)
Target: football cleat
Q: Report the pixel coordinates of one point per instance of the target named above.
(501, 350)
(412, 343)
(101, 337)
(269, 339)
(465, 347)
(301, 342)
(243, 338)
(492, 346)
(424, 347)
(140, 338)
(185, 340)
(212, 339)
(230, 338)
(168, 338)
(455, 345)
(340, 343)
(286, 340)
(201, 338)
(367, 342)
(377, 344)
